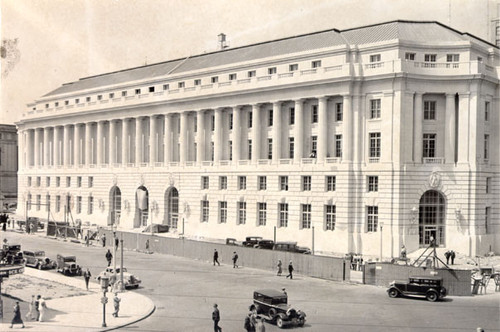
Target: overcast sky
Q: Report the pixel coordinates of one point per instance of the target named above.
(60, 41)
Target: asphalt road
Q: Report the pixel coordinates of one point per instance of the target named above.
(184, 291)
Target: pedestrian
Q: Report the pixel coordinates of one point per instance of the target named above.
(403, 252)
(280, 270)
(452, 256)
(447, 255)
(235, 259)
(87, 240)
(86, 276)
(290, 270)
(103, 239)
(248, 325)
(17, 316)
(216, 257)
(31, 305)
(216, 318)
(117, 242)
(109, 257)
(37, 307)
(284, 291)
(147, 245)
(260, 327)
(43, 308)
(116, 303)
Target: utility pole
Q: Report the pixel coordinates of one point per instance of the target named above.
(121, 262)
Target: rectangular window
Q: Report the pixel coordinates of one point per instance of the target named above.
(375, 109)
(181, 85)
(316, 64)
(314, 114)
(46, 105)
(249, 149)
(124, 93)
(487, 111)
(214, 79)
(78, 204)
(429, 148)
(292, 116)
(205, 211)
(339, 110)
(291, 147)
(486, 147)
(58, 181)
(38, 181)
(212, 123)
(166, 87)
(284, 183)
(56, 104)
(29, 201)
(488, 185)
(231, 121)
(90, 205)
(487, 218)
(66, 102)
(195, 124)
(314, 146)
(371, 218)
(38, 202)
(409, 56)
(372, 183)
(306, 215)
(29, 181)
(99, 97)
(68, 181)
(111, 95)
(242, 182)
(430, 60)
(269, 148)
(270, 118)
(230, 147)
(77, 100)
(222, 212)
(330, 212)
(205, 184)
(197, 82)
(78, 181)
(271, 71)
(47, 181)
(47, 202)
(283, 214)
(338, 146)
(375, 58)
(293, 67)
(430, 110)
(452, 57)
(232, 77)
(306, 183)
(137, 91)
(242, 213)
(262, 182)
(90, 181)
(58, 203)
(252, 73)
(250, 119)
(222, 182)
(262, 214)
(330, 182)
(374, 145)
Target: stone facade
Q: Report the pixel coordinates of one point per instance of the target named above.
(8, 166)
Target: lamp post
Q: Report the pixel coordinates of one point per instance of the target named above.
(104, 299)
(381, 225)
(121, 262)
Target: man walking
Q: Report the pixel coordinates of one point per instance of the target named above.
(290, 270)
(116, 303)
(216, 257)
(216, 318)
(109, 257)
(447, 255)
(452, 256)
(235, 259)
(103, 239)
(86, 276)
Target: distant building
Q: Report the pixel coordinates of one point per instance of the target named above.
(363, 139)
(8, 166)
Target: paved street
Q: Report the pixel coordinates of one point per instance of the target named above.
(184, 291)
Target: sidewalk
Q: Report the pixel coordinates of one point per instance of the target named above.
(85, 313)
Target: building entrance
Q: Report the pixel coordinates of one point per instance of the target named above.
(172, 207)
(432, 219)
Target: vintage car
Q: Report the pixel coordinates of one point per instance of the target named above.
(251, 241)
(292, 247)
(11, 254)
(67, 265)
(273, 305)
(231, 241)
(265, 244)
(428, 286)
(38, 259)
(129, 280)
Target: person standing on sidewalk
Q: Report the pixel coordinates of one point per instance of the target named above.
(17, 316)
(290, 270)
(43, 308)
(31, 305)
(216, 257)
(235, 260)
(37, 307)
(216, 318)
(86, 276)
(116, 303)
(103, 239)
(279, 267)
(109, 257)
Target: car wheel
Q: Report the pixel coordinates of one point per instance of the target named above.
(302, 321)
(393, 293)
(431, 296)
(272, 313)
(279, 322)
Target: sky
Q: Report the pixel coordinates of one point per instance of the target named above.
(46, 43)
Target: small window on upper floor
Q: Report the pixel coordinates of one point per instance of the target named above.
(232, 77)
(181, 85)
(197, 82)
(293, 67)
(338, 112)
(137, 91)
(214, 79)
(430, 110)
(486, 111)
(88, 99)
(271, 70)
(77, 100)
(429, 59)
(314, 114)
(124, 93)
(165, 87)
(56, 104)
(375, 109)
(252, 73)
(316, 64)
(292, 116)
(375, 58)
(99, 97)
(270, 118)
(66, 102)
(151, 89)
(111, 95)
(452, 57)
(488, 185)
(46, 105)
(410, 56)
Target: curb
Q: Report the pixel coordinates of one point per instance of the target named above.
(135, 321)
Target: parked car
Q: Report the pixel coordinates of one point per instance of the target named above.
(428, 286)
(265, 244)
(251, 241)
(273, 305)
(231, 241)
(129, 280)
(292, 247)
(38, 260)
(11, 254)
(67, 265)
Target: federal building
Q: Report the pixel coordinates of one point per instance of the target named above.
(359, 140)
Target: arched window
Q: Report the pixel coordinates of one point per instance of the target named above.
(432, 218)
(115, 205)
(172, 201)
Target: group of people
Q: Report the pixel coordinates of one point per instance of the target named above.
(36, 311)
(252, 322)
(280, 269)
(4, 220)
(234, 259)
(450, 255)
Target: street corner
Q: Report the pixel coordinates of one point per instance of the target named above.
(134, 307)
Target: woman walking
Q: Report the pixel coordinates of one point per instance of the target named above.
(31, 306)
(279, 267)
(17, 316)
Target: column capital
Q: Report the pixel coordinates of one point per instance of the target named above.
(419, 93)
(464, 94)
(277, 102)
(323, 97)
(451, 95)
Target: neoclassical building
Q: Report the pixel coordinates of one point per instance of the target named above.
(357, 140)
(8, 166)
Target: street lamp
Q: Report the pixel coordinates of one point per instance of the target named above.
(104, 299)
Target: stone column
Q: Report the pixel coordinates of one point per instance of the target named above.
(200, 152)
(347, 125)
(256, 133)
(66, 145)
(418, 134)
(88, 144)
(276, 132)
(126, 143)
(183, 144)
(236, 133)
(322, 128)
(138, 141)
(99, 137)
(31, 147)
(168, 139)
(76, 145)
(218, 135)
(450, 131)
(358, 134)
(299, 131)
(46, 147)
(55, 148)
(464, 136)
(37, 147)
(112, 142)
